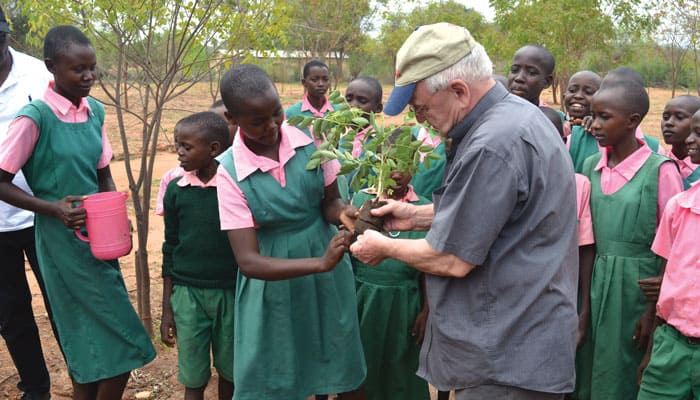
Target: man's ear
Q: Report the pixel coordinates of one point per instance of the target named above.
(461, 90)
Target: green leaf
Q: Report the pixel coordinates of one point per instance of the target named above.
(426, 149)
(360, 121)
(305, 122)
(295, 120)
(313, 163)
(433, 156)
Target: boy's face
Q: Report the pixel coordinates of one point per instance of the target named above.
(693, 139)
(74, 71)
(675, 121)
(259, 119)
(527, 77)
(317, 82)
(361, 95)
(611, 124)
(579, 92)
(402, 180)
(193, 151)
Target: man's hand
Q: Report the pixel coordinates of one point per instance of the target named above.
(398, 216)
(370, 247)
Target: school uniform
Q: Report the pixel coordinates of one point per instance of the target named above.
(389, 297)
(626, 202)
(293, 337)
(60, 148)
(673, 371)
(168, 176)
(689, 171)
(198, 258)
(426, 180)
(305, 109)
(582, 144)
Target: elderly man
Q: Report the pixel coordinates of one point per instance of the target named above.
(500, 255)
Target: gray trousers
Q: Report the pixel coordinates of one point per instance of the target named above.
(498, 392)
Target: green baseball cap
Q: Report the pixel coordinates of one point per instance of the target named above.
(427, 51)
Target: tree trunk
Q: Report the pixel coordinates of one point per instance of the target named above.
(143, 286)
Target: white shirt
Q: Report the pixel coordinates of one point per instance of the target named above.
(27, 81)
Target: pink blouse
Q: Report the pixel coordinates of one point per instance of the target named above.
(583, 203)
(306, 106)
(612, 179)
(685, 165)
(164, 181)
(676, 241)
(233, 206)
(23, 133)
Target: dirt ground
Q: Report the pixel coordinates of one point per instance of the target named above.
(158, 380)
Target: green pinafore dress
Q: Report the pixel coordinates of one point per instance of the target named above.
(294, 337)
(690, 179)
(581, 146)
(624, 224)
(426, 180)
(100, 334)
(389, 298)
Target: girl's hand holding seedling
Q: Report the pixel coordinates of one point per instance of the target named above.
(335, 251)
(347, 217)
(71, 216)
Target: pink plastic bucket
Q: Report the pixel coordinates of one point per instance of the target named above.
(107, 225)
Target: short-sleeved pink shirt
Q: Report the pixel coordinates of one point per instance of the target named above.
(164, 181)
(612, 179)
(677, 241)
(233, 206)
(685, 165)
(583, 203)
(306, 106)
(23, 133)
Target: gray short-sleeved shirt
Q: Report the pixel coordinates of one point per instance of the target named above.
(508, 206)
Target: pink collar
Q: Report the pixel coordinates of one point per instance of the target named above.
(62, 104)
(630, 165)
(248, 162)
(190, 178)
(306, 106)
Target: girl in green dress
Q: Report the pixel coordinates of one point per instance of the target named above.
(393, 312)
(60, 145)
(296, 332)
(629, 188)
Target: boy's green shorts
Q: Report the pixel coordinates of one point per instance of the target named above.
(674, 368)
(204, 326)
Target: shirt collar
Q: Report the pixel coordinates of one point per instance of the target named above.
(459, 131)
(248, 162)
(690, 199)
(630, 165)
(306, 106)
(62, 104)
(190, 178)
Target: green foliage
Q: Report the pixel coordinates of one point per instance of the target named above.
(385, 149)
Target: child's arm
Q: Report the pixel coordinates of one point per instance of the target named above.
(168, 330)
(105, 183)
(63, 209)
(586, 258)
(421, 321)
(335, 211)
(252, 264)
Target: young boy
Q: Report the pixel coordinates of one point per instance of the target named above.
(199, 270)
(671, 372)
(577, 101)
(675, 127)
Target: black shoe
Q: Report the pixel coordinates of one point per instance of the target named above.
(36, 396)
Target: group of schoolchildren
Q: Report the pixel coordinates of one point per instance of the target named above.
(253, 259)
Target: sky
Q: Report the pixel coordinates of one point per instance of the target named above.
(481, 6)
